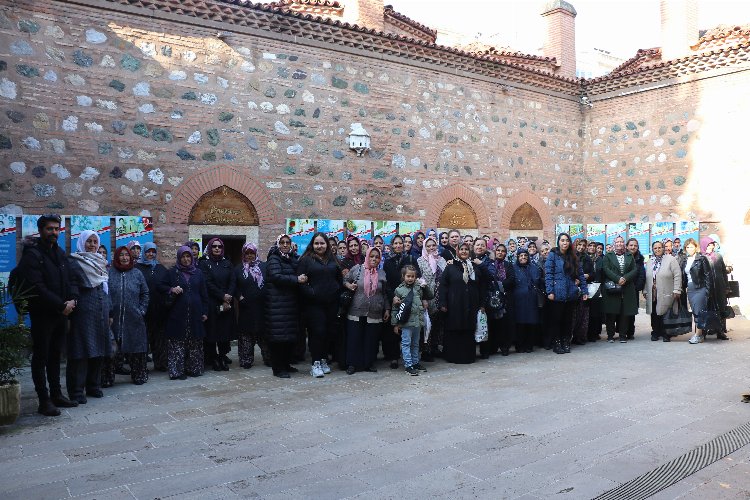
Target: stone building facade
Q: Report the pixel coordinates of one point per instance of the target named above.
(148, 107)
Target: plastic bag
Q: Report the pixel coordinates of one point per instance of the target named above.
(677, 320)
(427, 326)
(481, 334)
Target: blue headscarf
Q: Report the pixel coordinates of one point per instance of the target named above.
(146, 247)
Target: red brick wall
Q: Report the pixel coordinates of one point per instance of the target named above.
(560, 40)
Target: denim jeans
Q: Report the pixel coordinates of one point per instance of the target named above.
(410, 346)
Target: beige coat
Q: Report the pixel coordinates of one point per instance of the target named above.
(668, 281)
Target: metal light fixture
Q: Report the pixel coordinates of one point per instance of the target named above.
(359, 139)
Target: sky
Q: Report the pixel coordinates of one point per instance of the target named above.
(619, 26)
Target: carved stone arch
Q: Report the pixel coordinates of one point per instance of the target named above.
(517, 201)
(449, 194)
(205, 181)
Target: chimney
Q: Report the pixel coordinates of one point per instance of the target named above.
(365, 13)
(560, 37)
(679, 27)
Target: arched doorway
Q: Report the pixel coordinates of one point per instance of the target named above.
(527, 222)
(457, 214)
(227, 214)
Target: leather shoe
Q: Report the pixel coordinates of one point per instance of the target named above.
(666, 339)
(371, 369)
(48, 409)
(291, 369)
(62, 402)
(81, 400)
(282, 375)
(217, 366)
(722, 336)
(224, 366)
(95, 393)
(226, 359)
(350, 370)
(122, 371)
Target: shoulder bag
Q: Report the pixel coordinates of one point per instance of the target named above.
(347, 296)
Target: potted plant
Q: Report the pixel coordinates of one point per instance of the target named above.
(14, 340)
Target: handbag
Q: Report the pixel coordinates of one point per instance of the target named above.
(481, 334)
(347, 296)
(733, 288)
(427, 326)
(496, 299)
(594, 290)
(729, 312)
(404, 308)
(677, 320)
(612, 288)
(713, 321)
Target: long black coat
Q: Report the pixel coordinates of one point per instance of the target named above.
(220, 280)
(462, 300)
(324, 280)
(185, 317)
(282, 304)
(157, 293)
(251, 300)
(392, 267)
(46, 270)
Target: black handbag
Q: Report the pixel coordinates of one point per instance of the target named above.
(677, 320)
(495, 300)
(733, 288)
(404, 309)
(347, 297)
(729, 312)
(612, 288)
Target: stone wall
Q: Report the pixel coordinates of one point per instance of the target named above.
(111, 114)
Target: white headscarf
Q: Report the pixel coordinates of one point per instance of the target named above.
(93, 264)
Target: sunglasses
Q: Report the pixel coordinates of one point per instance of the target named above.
(217, 246)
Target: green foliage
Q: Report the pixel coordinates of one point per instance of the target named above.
(14, 337)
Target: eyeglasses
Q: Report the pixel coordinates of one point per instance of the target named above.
(217, 246)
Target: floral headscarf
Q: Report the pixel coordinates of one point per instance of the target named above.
(251, 268)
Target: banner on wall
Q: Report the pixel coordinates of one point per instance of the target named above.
(615, 230)
(561, 228)
(7, 258)
(301, 231)
(641, 231)
(386, 229)
(98, 223)
(409, 227)
(576, 231)
(662, 231)
(361, 229)
(332, 228)
(596, 232)
(687, 229)
(28, 228)
(128, 228)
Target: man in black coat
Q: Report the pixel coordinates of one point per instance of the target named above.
(44, 268)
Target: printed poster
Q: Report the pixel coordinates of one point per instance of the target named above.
(131, 228)
(98, 223)
(386, 229)
(7, 242)
(596, 232)
(615, 230)
(332, 228)
(28, 228)
(687, 229)
(576, 232)
(662, 231)
(641, 231)
(301, 231)
(561, 228)
(405, 228)
(361, 229)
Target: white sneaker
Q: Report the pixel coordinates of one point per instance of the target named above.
(696, 339)
(324, 366)
(316, 370)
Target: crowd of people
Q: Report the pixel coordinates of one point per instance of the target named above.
(421, 297)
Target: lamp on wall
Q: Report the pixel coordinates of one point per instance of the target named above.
(359, 139)
(584, 101)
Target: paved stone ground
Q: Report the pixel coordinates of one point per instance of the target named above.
(527, 426)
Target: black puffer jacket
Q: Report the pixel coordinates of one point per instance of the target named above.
(282, 305)
(640, 278)
(45, 269)
(323, 279)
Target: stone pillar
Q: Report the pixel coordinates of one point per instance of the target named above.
(365, 13)
(679, 27)
(560, 35)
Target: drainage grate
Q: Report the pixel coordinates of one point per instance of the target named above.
(681, 467)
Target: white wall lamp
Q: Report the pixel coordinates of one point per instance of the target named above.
(359, 139)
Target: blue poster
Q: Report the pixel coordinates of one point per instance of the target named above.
(332, 228)
(361, 229)
(576, 232)
(7, 259)
(641, 231)
(615, 230)
(131, 228)
(98, 223)
(28, 228)
(596, 232)
(662, 231)
(561, 228)
(405, 228)
(301, 231)
(687, 229)
(385, 229)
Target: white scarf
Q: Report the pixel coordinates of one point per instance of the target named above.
(92, 264)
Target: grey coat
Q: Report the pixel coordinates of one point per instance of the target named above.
(128, 292)
(668, 281)
(89, 335)
(373, 307)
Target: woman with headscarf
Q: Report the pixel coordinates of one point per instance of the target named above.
(89, 340)
(699, 284)
(663, 287)
(527, 313)
(155, 274)
(187, 302)
(282, 305)
(498, 337)
(392, 266)
(462, 292)
(512, 248)
(504, 273)
(442, 242)
(379, 243)
(619, 269)
(220, 283)
(432, 265)
(353, 255)
(416, 249)
(250, 277)
(129, 296)
(321, 292)
(564, 285)
(595, 303)
(134, 247)
(103, 252)
(720, 285)
(582, 310)
(365, 317)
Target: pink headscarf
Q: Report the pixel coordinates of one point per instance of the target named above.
(431, 258)
(371, 274)
(705, 241)
(252, 269)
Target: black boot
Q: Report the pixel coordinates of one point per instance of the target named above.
(217, 365)
(61, 401)
(565, 345)
(47, 408)
(556, 347)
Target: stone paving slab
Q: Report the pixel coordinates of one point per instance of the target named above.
(524, 426)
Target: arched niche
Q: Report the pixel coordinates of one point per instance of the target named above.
(526, 218)
(223, 206)
(459, 215)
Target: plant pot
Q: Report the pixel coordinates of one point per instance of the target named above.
(10, 403)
